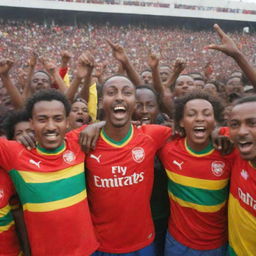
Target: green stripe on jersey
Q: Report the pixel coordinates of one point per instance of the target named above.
(48, 191)
(198, 195)
(231, 251)
(6, 219)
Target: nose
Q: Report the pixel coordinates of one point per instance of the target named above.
(144, 109)
(119, 96)
(243, 130)
(50, 125)
(199, 117)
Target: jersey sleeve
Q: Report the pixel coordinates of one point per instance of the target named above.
(158, 133)
(8, 153)
(75, 133)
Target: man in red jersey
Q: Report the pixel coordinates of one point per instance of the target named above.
(242, 199)
(50, 181)
(120, 175)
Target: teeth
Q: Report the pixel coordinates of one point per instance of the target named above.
(51, 135)
(119, 108)
(199, 129)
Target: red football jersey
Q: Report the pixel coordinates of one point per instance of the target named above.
(51, 188)
(198, 190)
(120, 179)
(9, 244)
(242, 208)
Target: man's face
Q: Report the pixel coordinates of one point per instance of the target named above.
(118, 101)
(40, 81)
(183, 85)
(199, 84)
(21, 129)
(242, 125)
(234, 85)
(164, 73)
(78, 115)
(49, 122)
(198, 122)
(146, 108)
(147, 77)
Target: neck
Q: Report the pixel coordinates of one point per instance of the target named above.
(117, 133)
(199, 147)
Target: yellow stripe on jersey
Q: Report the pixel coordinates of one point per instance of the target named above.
(197, 183)
(55, 205)
(5, 210)
(242, 228)
(43, 177)
(6, 227)
(200, 208)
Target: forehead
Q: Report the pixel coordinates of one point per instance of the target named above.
(118, 83)
(165, 69)
(185, 78)
(79, 104)
(146, 73)
(41, 75)
(22, 125)
(49, 108)
(243, 111)
(145, 95)
(198, 104)
(234, 80)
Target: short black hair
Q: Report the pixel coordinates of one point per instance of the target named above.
(179, 105)
(116, 75)
(13, 118)
(47, 95)
(246, 99)
(44, 72)
(147, 87)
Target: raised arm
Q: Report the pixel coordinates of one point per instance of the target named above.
(229, 47)
(16, 98)
(179, 66)
(153, 62)
(120, 54)
(31, 64)
(52, 69)
(83, 71)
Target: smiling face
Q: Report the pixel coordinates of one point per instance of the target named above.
(183, 85)
(198, 122)
(78, 115)
(147, 107)
(146, 77)
(243, 129)
(118, 101)
(49, 122)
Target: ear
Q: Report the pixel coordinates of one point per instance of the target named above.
(181, 123)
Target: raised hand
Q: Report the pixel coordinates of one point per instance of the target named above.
(85, 65)
(33, 59)
(118, 52)
(153, 60)
(179, 65)
(227, 45)
(5, 66)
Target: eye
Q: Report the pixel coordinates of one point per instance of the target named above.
(252, 122)
(233, 124)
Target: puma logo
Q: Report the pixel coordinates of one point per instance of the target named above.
(35, 163)
(178, 164)
(97, 158)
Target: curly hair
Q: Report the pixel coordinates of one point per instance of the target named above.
(179, 105)
(47, 95)
(11, 120)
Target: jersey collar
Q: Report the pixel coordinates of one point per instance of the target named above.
(120, 143)
(205, 152)
(50, 152)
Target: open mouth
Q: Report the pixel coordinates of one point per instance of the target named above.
(245, 147)
(51, 136)
(145, 120)
(199, 131)
(119, 112)
(80, 121)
